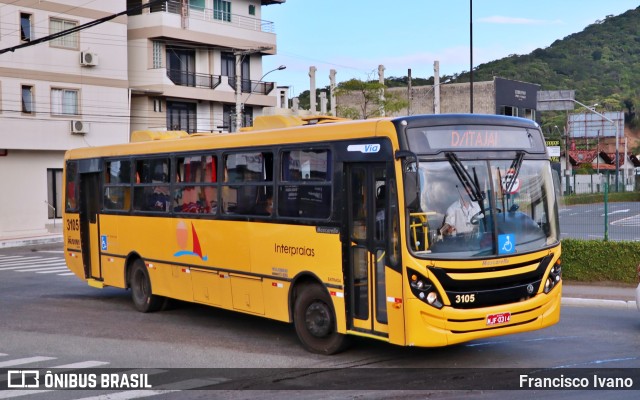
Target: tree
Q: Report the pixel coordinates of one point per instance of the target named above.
(363, 99)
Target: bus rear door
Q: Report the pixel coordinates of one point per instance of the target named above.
(89, 209)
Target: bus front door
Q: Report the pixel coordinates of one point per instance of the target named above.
(367, 211)
(89, 208)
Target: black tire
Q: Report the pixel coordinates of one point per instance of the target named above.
(315, 321)
(143, 298)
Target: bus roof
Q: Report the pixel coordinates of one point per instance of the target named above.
(277, 129)
(313, 129)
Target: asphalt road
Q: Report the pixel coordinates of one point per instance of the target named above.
(586, 221)
(54, 320)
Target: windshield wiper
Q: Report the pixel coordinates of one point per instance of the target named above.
(471, 185)
(515, 167)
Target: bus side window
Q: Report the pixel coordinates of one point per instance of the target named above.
(117, 185)
(240, 193)
(152, 192)
(306, 190)
(71, 192)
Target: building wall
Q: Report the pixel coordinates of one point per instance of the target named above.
(36, 142)
(23, 178)
(489, 97)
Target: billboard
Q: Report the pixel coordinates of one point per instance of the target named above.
(591, 125)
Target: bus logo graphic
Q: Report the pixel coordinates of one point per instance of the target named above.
(364, 148)
(182, 238)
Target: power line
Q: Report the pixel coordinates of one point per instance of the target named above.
(80, 27)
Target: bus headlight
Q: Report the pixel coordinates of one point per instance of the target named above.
(424, 289)
(555, 276)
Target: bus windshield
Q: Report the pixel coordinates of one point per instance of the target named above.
(484, 208)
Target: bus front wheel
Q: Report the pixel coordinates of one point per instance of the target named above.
(315, 321)
(143, 298)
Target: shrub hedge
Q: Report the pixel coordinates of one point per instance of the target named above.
(599, 261)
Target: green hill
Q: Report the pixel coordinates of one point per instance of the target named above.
(601, 63)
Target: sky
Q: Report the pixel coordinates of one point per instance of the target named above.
(355, 36)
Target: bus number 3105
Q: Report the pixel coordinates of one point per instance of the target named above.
(465, 298)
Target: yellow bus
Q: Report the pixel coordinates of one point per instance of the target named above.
(418, 231)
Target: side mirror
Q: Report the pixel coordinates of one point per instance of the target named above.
(411, 190)
(410, 178)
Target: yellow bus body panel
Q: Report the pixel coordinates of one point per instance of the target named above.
(246, 266)
(72, 244)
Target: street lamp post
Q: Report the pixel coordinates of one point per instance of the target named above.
(240, 104)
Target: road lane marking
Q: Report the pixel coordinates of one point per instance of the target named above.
(21, 361)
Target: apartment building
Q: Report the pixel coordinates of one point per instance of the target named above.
(60, 94)
(185, 56)
(167, 65)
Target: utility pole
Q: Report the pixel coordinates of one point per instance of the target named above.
(436, 87)
(238, 70)
(471, 56)
(239, 110)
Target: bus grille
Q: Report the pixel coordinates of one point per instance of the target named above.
(476, 293)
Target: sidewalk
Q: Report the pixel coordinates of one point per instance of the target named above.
(609, 294)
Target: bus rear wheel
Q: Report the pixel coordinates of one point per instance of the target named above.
(143, 298)
(315, 321)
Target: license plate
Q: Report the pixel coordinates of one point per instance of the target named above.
(497, 319)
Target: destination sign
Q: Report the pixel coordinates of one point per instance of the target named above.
(469, 137)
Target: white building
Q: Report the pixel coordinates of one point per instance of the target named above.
(182, 64)
(168, 65)
(64, 93)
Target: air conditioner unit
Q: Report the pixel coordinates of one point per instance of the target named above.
(88, 59)
(79, 127)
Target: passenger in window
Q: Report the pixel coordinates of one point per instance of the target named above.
(265, 206)
(160, 199)
(458, 217)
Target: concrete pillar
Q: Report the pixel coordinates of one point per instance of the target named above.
(312, 90)
(409, 92)
(332, 91)
(381, 80)
(323, 102)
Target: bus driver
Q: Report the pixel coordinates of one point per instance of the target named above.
(458, 217)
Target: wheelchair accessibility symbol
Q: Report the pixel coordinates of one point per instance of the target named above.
(506, 244)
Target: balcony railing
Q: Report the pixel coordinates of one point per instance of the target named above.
(184, 78)
(218, 16)
(258, 87)
(192, 79)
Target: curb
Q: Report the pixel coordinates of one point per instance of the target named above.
(600, 303)
(5, 244)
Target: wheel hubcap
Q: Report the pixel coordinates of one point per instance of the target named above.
(318, 319)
